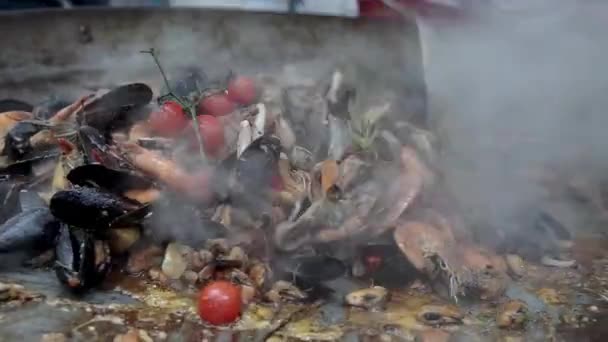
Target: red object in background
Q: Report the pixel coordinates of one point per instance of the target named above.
(378, 9)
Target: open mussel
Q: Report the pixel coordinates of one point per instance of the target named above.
(102, 112)
(82, 262)
(252, 172)
(17, 140)
(116, 181)
(7, 105)
(96, 148)
(34, 226)
(90, 208)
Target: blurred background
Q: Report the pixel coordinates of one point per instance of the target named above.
(346, 8)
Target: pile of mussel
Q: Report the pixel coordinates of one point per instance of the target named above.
(313, 181)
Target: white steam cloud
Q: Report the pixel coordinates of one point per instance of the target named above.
(517, 88)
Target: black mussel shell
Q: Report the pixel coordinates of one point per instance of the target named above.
(82, 262)
(8, 105)
(29, 199)
(117, 181)
(102, 112)
(255, 169)
(255, 162)
(96, 149)
(32, 228)
(9, 199)
(49, 107)
(89, 208)
(133, 217)
(32, 165)
(17, 140)
(315, 268)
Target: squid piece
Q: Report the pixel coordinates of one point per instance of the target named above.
(413, 177)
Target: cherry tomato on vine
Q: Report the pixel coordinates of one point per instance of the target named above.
(216, 104)
(212, 134)
(169, 120)
(219, 302)
(242, 90)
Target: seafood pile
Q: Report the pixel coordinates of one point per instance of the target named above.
(278, 189)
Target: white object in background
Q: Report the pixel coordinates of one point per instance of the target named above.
(244, 139)
(260, 122)
(344, 8)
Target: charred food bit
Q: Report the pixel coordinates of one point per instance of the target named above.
(373, 298)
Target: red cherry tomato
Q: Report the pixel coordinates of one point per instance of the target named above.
(169, 120)
(243, 90)
(219, 303)
(212, 133)
(217, 105)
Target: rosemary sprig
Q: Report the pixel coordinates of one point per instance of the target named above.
(187, 104)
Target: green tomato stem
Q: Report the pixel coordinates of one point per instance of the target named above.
(188, 106)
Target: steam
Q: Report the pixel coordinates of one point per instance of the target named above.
(514, 91)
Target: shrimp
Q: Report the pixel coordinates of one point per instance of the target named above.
(167, 171)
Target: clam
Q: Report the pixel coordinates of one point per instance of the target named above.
(438, 315)
(373, 298)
